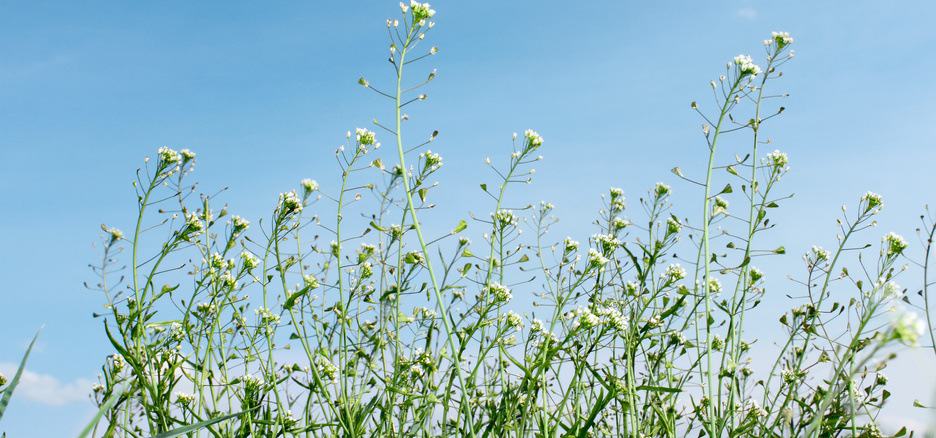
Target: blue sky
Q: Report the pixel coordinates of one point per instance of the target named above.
(263, 92)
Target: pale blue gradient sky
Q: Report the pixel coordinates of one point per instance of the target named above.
(265, 90)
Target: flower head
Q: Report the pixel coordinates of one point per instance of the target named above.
(908, 328)
(894, 244)
(778, 159)
(746, 65)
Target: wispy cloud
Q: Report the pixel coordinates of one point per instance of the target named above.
(747, 13)
(47, 389)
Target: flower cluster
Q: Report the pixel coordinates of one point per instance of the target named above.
(500, 292)
(746, 65)
(894, 244)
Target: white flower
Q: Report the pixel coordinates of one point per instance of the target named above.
(661, 190)
(533, 139)
(421, 11)
(501, 293)
(721, 206)
(250, 261)
(365, 137)
(570, 245)
(168, 156)
(746, 65)
(184, 399)
(894, 244)
(714, 285)
(187, 155)
(504, 218)
(672, 225)
(606, 242)
(873, 200)
(820, 254)
(595, 259)
(778, 159)
(309, 185)
(673, 273)
(513, 320)
(781, 38)
(325, 368)
(908, 328)
(892, 290)
(115, 234)
(433, 160)
(290, 202)
(239, 223)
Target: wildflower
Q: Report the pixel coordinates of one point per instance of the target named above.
(617, 193)
(595, 259)
(187, 155)
(820, 254)
(504, 218)
(721, 206)
(250, 261)
(533, 139)
(755, 274)
(266, 316)
(606, 242)
(872, 200)
(193, 224)
(97, 387)
(570, 245)
(433, 160)
(415, 258)
(619, 223)
(228, 280)
(513, 320)
(184, 399)
(673, 273)
(718, 343)
(746, 65)
(612, 318)
(673, 226)
(781, 38)
(118, 362)
(880, 379)
(326, 368)
(366, 251)
(908, 328)
(239, 224)
(290, 202)
(791, 376)
(892, 290)
(3, 379)
(421, 11)
(309, 185)
(168, 156)
(115, 234)
(661, 190)
(894, 244)
(365, 137)
(501, 293)
(586, 319)
(714, 285)
(778, 159)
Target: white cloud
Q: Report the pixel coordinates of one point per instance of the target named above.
(47, 389)
(747, 13)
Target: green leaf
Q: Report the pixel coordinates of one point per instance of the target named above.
(196, 426)
(460, 227)
(106, 406)
(8, 392)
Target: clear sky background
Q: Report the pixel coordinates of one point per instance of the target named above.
(264, 91)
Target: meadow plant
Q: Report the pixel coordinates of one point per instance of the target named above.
(339, 314)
